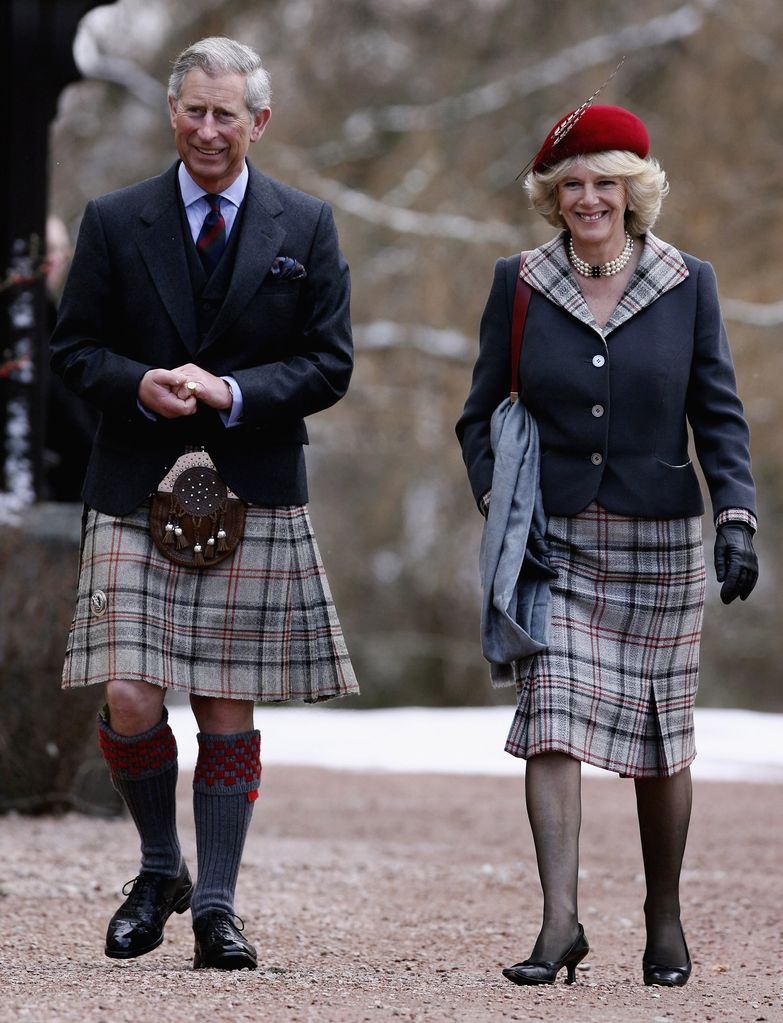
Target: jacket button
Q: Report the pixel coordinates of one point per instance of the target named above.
(596, 458)
(598, 360)
(597, 410)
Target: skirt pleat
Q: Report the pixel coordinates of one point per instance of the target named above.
(617, 683)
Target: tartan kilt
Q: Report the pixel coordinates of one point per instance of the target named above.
(260, 625)
(616, 686)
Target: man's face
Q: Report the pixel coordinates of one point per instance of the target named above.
(213, 128)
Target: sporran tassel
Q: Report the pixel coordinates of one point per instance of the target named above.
(221, 537)
(209, 550)
(168, 536)
(198, 550)
(181, 539)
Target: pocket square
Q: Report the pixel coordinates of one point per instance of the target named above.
(286, 268)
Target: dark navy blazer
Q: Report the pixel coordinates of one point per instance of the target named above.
(612, 416)
(128, 306)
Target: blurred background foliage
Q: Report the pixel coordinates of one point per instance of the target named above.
(413, 118)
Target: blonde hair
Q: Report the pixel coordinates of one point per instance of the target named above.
(644, 180)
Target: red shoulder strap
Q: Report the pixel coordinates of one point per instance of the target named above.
(521, 302)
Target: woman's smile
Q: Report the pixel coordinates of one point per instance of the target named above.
(593, 207)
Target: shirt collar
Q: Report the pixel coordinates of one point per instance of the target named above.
(191, 192)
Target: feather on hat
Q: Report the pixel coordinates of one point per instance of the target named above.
(592, 129)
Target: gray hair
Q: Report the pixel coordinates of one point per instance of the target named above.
(645, 186)
(218, 55)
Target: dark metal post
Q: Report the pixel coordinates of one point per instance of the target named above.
(36, 46)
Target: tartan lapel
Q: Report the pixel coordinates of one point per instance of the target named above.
(660, 268)
(547, 270)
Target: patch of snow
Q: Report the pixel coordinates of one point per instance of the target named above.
(733, 745)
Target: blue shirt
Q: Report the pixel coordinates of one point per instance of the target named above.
(197, 207)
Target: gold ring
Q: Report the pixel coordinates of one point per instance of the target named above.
(192, 386)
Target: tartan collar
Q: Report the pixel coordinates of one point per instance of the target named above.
(661, 268)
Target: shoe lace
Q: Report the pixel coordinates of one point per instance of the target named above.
(222, 919)
(140, 890)
(128, 887)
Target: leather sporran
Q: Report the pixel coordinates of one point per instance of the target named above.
(195, 520)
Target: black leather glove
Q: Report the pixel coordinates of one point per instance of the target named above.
(736, 564)
(537, 564)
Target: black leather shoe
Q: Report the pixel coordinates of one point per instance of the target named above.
(219, 944)
(668, 976)
(533, 971)
(137, 926)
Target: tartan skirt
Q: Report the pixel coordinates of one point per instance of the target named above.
(260, 625)
(616, 686)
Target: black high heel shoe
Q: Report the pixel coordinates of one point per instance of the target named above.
(668, 976)
(542, 972)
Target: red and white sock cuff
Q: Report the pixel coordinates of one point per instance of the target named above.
(228, 764)
(135, 757)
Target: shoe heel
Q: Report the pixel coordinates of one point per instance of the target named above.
(573, 961)
(183, 905)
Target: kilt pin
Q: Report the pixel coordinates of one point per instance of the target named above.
(260, 625)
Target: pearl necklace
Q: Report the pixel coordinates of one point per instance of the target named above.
(614, 266)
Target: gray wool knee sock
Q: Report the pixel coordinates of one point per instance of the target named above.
(225, 787)
(144, 772)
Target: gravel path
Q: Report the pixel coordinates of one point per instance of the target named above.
(375, 897)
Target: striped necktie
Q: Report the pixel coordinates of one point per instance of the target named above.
(211, 240)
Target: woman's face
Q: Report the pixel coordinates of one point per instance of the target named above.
(593, 207)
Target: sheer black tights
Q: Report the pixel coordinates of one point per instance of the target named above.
(664, 809)
(554, 807)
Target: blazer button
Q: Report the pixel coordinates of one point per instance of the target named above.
(598, 411)
(596, 458)
(598, 360)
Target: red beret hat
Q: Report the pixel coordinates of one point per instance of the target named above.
(592, 129)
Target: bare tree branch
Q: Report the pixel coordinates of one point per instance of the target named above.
(110, 68)
(360, 126)
(757, 314)
(380, 335)
(406, 221)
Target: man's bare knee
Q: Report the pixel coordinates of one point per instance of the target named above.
(134, 707)
(218, 716)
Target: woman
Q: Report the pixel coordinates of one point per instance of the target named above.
(623, 347)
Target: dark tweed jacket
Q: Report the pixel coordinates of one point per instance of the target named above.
(613, 405)
(129, 306)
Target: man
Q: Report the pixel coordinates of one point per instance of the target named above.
(205, 315)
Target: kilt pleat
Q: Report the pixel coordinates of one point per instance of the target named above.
(260, 625)
(616, 685)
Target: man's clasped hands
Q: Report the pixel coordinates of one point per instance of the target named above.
(175, 392)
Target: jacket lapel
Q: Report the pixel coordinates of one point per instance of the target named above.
(259, 241)
(661, 267)
(547, 270)
(161, 244)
